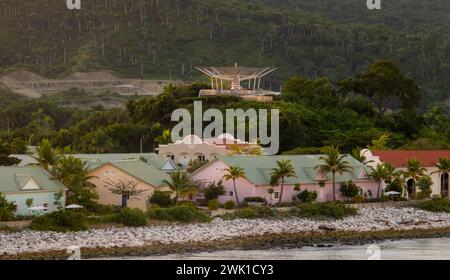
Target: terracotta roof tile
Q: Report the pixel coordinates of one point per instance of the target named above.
(400, 158)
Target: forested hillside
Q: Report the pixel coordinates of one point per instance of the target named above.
(168, 38)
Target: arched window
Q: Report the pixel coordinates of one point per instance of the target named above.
(411, 187)
(445, 184)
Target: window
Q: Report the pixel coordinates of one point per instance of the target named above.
(201, 158)
(172, 157)
(276, 195)
(46, 206)
(231, 193)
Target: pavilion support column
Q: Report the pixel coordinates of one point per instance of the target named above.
(212, 83)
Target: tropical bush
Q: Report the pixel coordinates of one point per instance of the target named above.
(162, 199)
(213, 191)
(335, 210)
(132, 217)
(252, 212)
(440, 204)
(307, 196)
(359, 199)
(350, 189)
(213, 204)
(394, 186)
(6, 209)
(179, 213)
(230, 204)
(61, 221)
(424, 185)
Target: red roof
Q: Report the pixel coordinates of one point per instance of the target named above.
(400, 158)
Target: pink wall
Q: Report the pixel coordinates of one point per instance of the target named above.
(215, 172)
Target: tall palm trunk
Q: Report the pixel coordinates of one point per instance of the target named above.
(334, 186)
(235, 193)
(280, 199)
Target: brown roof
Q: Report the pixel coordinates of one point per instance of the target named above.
(400, 158)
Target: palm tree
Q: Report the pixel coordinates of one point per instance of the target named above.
(360, 156)
(284, 170)
(415, 170)
(443, 167)
(46, 155)
(181, 184)
(233, 173)
(74, 174)
(334, 162)
(379, 174)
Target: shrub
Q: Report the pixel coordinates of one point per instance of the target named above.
(213, 191)
(230, 204)
(132, 217)
(6, 209)
(359, 199)
(254, 212)
(179, 213)
(436, 205)
(105, 209)
(307, 196)
(213, 204)
(394, 186)
(254, 201)
(162, 199)
(424, 184)
(61, 221)
(350, 189)
(333, 210)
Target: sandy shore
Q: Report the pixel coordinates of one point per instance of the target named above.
(370, 224)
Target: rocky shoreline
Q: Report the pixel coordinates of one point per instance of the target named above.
(370, 225)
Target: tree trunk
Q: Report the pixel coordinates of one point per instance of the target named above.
(281, 192)
(334, 186)
(235, 193)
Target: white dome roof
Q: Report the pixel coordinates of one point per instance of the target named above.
(192, 139)
(226, 136)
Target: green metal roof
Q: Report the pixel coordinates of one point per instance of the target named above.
(96, 160)
(142, 171)
(258, 168)
(13, 179)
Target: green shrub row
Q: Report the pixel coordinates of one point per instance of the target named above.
(61, 221)
(180, 213)
(335, 210)
(435, 205)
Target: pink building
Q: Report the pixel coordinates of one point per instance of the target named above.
(257, 177)
(193, 148)
(428, 159)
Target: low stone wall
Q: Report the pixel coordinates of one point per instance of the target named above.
(16, 224)
(373, 205)
(386, 204)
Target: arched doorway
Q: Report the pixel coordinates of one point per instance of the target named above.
(410, 186)
(445, 184)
